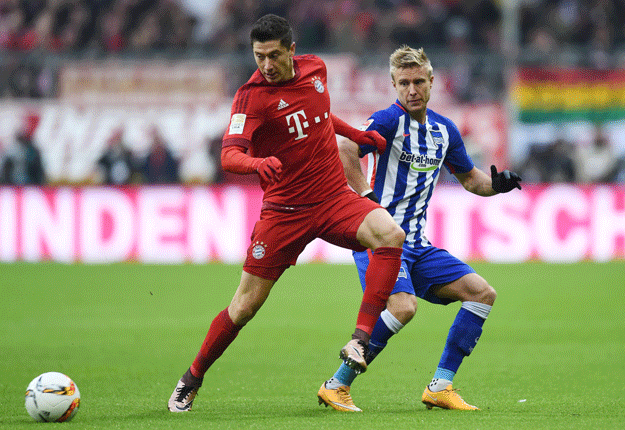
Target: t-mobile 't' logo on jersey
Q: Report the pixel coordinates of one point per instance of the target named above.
(298, 125)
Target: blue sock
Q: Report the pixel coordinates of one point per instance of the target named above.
(386, 326)
(444, 374)
(380, 335)
(345, 375)
(463, 336)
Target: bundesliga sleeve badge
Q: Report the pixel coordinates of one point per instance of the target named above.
(237, 123)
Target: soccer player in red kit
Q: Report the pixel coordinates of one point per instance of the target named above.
(281, 128)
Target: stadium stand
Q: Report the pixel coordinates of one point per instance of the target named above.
(468, 41)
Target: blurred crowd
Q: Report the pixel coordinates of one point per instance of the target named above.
(570, 33)
(105, 25)
(547, 27)
(119, 164)
(23, 163)
(361, 26)
(566, 161)
(573, 32)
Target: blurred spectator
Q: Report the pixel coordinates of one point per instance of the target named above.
(549, 163)
(620, 171)
(3, 177)
(199, 163)
(213, 149)
(177, 27)
(597, 162)
(111, 37)
(159, 166)
(313, 30)
(116, 166)
(23, 80)
(22, 162)
(147, 35)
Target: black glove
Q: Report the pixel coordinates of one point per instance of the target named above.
(504, 181)
(371, 196)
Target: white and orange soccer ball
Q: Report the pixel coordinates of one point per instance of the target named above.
(52, 396)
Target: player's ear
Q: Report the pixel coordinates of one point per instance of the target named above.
(292, 49)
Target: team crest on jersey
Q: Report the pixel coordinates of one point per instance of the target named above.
(318, 84)
(259, 249)
(437, 138)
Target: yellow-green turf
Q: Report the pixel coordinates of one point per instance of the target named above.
(552, 355)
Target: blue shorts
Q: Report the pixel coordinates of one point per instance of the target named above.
(421, 269)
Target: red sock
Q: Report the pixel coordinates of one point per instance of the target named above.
(380, 279)
(220, 335)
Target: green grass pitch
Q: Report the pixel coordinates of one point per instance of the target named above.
(552, 355)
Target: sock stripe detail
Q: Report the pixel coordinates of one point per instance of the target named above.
(391, 322)
(445, 374)
(476, 308)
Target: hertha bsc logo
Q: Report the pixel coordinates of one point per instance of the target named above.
(258, 251)
(318, 85)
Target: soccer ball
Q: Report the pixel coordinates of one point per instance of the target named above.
(52, 396)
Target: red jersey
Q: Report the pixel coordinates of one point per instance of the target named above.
(291, 121)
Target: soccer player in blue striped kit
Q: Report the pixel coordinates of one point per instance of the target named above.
(402, 178)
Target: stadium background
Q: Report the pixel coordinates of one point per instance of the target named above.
(535, 85)
(112, 113)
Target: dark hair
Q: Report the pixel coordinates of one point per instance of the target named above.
(272, 27)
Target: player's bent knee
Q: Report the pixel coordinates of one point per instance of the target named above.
(380, 230)
(487, 295)
(241, 314)
(478, 290)
(399, 236)
(402, 306)
(394, 237)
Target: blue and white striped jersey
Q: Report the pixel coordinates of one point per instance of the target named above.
(404, 176)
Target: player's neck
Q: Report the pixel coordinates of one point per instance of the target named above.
(420, 117)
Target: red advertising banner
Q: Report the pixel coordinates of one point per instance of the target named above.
(558, 223)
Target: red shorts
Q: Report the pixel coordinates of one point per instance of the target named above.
(281, 235)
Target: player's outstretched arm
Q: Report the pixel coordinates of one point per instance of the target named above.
(235, 159)
(478, 182)
(361, 138)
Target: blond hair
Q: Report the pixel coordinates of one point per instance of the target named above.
(405, 57)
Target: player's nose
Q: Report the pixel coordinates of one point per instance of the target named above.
(267, 65)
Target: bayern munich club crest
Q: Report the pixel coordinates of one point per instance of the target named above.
(258, 251)
(318, 84)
